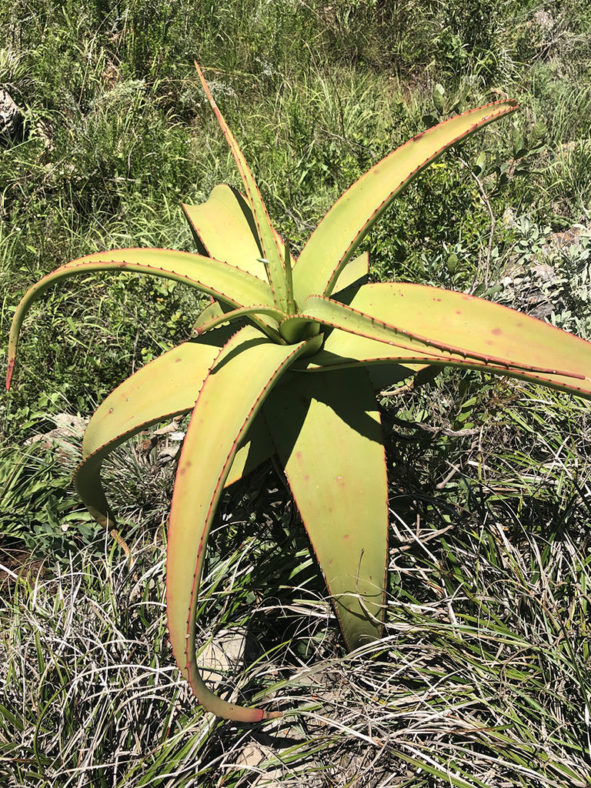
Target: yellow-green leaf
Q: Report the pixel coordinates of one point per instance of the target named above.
(326, 429)
(242, 376)
(223, 281)
(142, 400)
(254, 448)
(342, 229)
(353, 273)
(440, 326)
(224, 228)
(266, 234)
(488, 332)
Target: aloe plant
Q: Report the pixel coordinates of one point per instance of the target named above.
(280, 366)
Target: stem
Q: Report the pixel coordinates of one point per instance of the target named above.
(291, 307)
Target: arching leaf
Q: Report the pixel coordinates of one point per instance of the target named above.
(476, 332)
(345, 225)
(246, 369)
(224, 282)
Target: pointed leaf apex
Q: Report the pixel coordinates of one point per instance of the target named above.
(266, 234)
(9, 372)
(342, 229)
(205, 86)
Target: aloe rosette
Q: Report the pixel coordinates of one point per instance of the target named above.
(281, 365)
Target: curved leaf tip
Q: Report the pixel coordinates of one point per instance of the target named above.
(9, 371)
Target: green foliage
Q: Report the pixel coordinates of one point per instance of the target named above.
(550, 273)
(105, 89)
(36, 504)
(312, 314)
(487, 625)
(376, 59)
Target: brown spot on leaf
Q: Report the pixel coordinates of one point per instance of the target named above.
(185, 467)
(496, 331)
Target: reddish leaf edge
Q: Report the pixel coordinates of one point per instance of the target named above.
(441, 346)
(80, 265)
(513, 105)
(251, 188)
(204, 696)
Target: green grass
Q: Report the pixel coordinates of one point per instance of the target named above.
(482, 678)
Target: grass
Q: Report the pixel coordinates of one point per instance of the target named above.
(482, 678)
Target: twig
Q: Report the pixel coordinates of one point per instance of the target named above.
(439, 430)
(447, 431)
(486, 202)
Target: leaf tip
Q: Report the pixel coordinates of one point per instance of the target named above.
(203, 82)
(9, 372)
(272, 715)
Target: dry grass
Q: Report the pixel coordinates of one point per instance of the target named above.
(481, 679)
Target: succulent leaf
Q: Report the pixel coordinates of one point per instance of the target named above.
(240, 416)
(210, 312)
(340, 490)
(254, 448)
(345, 225)
(224, 228)
(480, 342)
(217, 316)
(266, 234)
(241, 378)
(137, 403)
(353, 273)
(475, 330)
(141, 401)
(223, 281)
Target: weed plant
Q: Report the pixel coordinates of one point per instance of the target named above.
(483, 677)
